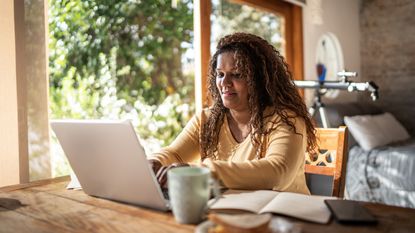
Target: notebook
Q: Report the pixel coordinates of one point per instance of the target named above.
(109, 161)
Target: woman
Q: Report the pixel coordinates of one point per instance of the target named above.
(255, 134)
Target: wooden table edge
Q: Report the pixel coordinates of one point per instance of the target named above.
(34, 183)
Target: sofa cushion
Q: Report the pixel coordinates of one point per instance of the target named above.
(372, 131)
(335, 113)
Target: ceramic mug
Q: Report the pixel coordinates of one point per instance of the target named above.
(189, 192)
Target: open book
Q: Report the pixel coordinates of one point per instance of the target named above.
(307, 207)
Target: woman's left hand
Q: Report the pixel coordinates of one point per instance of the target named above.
(162, 173)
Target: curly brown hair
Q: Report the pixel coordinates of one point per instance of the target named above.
(269, 83)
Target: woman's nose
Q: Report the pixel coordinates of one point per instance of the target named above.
(226, 81)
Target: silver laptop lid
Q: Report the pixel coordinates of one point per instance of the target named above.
(109, 161)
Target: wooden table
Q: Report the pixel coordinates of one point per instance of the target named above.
(46, 206)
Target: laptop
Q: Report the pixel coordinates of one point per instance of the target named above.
(109, 161)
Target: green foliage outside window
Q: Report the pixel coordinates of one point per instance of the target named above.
(123, 60)
(228, 17)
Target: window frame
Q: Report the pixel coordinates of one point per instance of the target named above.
(15, 159)
(202, 28)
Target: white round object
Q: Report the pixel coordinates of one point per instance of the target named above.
(329, 54)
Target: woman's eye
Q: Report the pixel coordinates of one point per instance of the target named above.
(219, 75)
(237, 75)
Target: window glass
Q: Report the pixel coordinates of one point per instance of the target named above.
(127, 59)
(36, 86)
(230, 17)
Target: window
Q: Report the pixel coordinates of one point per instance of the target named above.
(122, 60)
(122, 42)
(283, 16)
(228, 17)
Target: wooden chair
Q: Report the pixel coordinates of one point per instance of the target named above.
(331, 159)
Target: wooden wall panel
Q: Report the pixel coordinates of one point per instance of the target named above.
(13, 126)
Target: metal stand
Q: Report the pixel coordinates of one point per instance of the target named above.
(319, 106)
(343, 84)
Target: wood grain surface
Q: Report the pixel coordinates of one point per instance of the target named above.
(46, 206)
(49, 207)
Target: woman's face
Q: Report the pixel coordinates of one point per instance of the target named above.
(231, 84)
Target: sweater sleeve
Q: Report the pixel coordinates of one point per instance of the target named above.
(185, 148)
(283, 161)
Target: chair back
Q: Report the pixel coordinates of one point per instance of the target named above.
(331, 158)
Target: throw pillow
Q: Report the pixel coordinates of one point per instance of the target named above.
(372, 131)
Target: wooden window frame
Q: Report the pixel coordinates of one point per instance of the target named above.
(14, 152)
(23, 87)
(14, 160)
(202, 28)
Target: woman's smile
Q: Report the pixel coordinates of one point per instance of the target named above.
(228, 94)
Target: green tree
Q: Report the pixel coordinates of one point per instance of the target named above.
(122, 59)
(147, 39)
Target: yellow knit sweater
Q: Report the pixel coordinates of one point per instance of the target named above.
(281, 169)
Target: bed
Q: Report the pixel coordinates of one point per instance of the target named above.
(383, 174)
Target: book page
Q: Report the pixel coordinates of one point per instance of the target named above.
(252, 201)
(306, 207)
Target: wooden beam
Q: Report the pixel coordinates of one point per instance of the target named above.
(273, 6)
(202, 11)
(298, 54)
(14, 164)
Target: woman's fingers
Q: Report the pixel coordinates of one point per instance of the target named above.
(162, 176)
(162, 173)
(155, 165)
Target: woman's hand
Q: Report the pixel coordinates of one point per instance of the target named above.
(162, 173)
(155, 165)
